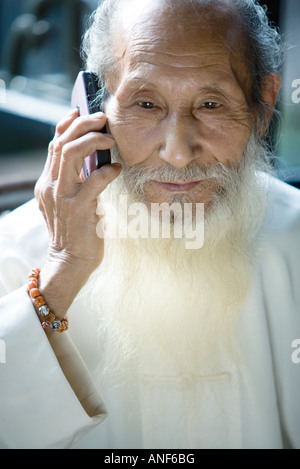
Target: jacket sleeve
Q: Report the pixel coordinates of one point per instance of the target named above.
(47, 397)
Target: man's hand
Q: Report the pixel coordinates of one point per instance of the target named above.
(69, 207)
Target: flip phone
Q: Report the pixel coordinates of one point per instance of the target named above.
(84, 97)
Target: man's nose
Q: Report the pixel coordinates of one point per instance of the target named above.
(179, 144)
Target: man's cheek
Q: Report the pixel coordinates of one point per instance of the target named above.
(135, 142)
(226, 137)
(118, 121)
(135, 136)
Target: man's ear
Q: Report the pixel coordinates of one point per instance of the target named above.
(269, 94)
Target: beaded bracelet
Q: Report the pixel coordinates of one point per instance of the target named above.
(49, 319)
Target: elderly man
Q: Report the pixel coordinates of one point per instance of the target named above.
(188, 346)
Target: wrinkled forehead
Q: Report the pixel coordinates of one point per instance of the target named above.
(187, 31)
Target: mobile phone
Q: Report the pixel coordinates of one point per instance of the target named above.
(84, 97)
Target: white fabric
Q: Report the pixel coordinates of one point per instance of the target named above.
(48, 398)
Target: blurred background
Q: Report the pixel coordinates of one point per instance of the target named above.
(39, 61)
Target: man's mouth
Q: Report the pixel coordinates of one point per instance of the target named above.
(179, 186)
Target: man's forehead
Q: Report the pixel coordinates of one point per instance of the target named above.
(181, 34)
(178, 29)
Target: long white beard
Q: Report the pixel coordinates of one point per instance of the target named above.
(169, 311)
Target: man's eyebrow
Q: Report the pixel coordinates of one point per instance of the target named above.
(222, 80)
(221, 85)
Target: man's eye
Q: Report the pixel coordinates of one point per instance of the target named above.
(211, 105)
(146, 105)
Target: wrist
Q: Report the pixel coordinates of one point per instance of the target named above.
(60, 282)
(48, 319)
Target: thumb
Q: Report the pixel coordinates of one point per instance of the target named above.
(99, 179)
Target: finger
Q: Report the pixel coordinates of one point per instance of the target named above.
(83, 125)
(44, 195)
(73, 155)
(71, 129)
(98, 181)
(65, 123)
(51, 168)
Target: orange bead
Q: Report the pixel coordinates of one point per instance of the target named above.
(39, 301)
(64, 327)
(65, 322)
(50, 318)
(34, 273)
(34, 293)
(33, 283)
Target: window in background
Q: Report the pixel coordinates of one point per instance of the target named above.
(40, 41)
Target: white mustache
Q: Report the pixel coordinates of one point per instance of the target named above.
(137, 176)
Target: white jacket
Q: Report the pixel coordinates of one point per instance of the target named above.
(48, 398)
